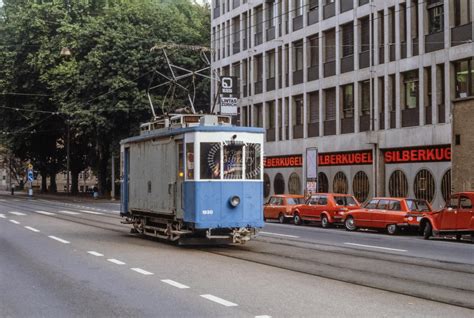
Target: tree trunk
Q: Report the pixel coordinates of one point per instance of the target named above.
(53, 186)
(44, 182)
(74, 182)
(104, 155)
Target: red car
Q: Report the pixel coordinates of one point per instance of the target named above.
(457, 218)
(327, 208)
(281, 206)
(391, 214)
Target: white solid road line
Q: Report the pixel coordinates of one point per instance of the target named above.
(378, 247)
(263, 316)
(68, 212)
(45, 213)
(31, 229)
(95, 253)
(91, 212)
(277, 234)
(219, 300)
(141, 271)
(116, 261)
(16, 213)
(58, 239)
(14, 221)
(3, 216)
(173, 283)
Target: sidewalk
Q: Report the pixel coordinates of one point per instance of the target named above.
(60, 197)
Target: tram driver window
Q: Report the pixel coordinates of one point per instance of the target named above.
(210, 160)
(252, 161)
(233, 161)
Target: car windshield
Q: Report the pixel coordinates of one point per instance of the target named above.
(418, 206)
(345, 201)
(294, 201)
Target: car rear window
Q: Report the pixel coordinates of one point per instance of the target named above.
(294, 201)
(418, 206)
(345, 201)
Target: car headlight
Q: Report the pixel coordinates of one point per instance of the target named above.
(234, 201)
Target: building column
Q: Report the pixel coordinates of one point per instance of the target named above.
(264, 73)
(357, 112)
(305, 77)
(421, 94)
(375, 43)
(283, 119)
(388, 97)
(338, 72)
(322, 109)
(376, 107)
(447, 25)
(290, 64)
(398, 108)
(421, 27)
(448, 90)
(434, 94)
(356, 32)
(277, 121)
(397, 32)
(408, 32)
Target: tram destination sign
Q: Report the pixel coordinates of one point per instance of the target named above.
(418, 154)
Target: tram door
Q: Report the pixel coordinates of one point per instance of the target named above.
(178, 199)
(125, 180)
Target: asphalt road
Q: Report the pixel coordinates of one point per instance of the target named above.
(75, 259)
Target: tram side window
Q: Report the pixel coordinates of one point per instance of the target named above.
(252, 161)
(233, 161)
(190, 161)
(210, 160)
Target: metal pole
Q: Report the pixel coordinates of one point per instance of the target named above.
(112, 195)
(68, 155)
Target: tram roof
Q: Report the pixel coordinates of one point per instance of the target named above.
(178, 131)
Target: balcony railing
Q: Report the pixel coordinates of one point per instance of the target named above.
(270, 33)
(298, 131)
(347, 64)
(434, 41)
(297, 77)
(329, 10)
(298, 23)
(329, 68)
(347, 125)
(270, 84)
(313, 130)
(329, 127)
(461, 34)
(313, 73)
(313, 16)
(410, 117)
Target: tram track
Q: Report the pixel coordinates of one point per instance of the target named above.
(327, 261)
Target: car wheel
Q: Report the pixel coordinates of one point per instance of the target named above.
(281, 218)
(392, 229)
(427, 231)
(297, 219)
(325, 222)
(349, 223)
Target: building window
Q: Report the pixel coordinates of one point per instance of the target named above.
(313, 51)
(365, 98)
(410, 80)
(340, 184)
(361, 186)
(348, 100)
(424, 185)
(298, 56)
(330, 47)
(298, 7)
(258, 115)
(270, 114)
(313, 109)
(398, 184)
(446, 186)
(279, 184)
(298, 110)
(364, 34)
(271, 64)
(294, 184)
(347, 39)
(462, 12)
(464, 78)
(266, 185)
(323, 183)
(330, 104)
(435, 18)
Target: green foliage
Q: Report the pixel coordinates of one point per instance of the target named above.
(100, 87)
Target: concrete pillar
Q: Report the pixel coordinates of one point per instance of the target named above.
(264, 72)
(421, 27)
(398, 109)
(448, 90)
(434, 94)
(421, 94)
(357, 111)
(447, 25)
(408, 28)
(386, 81)
(322, 113)
(397, 31)
(376, 114)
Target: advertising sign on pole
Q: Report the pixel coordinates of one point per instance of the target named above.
(228, 95)
(311, 165)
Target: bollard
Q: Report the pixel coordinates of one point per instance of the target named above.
(13, 190)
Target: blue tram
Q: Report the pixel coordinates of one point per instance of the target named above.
(193, 179)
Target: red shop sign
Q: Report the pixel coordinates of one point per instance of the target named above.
(289, 161)
(418, 154)
(363, 157)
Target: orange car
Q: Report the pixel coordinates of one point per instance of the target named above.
(281, 206)
(327, 208)
(457, 218)
(391, 214)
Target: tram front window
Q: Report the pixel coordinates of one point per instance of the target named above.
(210, 160)
(233, 161)
(252, 161)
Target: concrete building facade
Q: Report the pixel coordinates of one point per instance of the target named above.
(354, 78)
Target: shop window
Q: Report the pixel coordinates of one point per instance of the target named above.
(424, 185)
(279, 184)
(266, 185)
(340, 184)
(361, 186)
(294, 184)
(446, 186)
(398, 184)
(323, 183)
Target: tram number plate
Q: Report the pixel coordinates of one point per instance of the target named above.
(207, 212)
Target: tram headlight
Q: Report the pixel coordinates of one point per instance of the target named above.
(234, 201)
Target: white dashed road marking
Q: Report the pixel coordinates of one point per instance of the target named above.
(3, 216)
(141, 271)
(277, 234)
(45, 213)
(68, 212)
(116, 261)
(219, 300)
(14, 222)
(263, 316)
(378, 247)
(173, 283)
(58, 239)
(95, 253)
(31, 229)
(16, 213)
(91, 212)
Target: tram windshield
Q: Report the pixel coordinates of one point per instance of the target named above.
(228, 161)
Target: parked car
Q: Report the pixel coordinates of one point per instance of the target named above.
(280, 207)
(456, 218)
(391, 214)
(327, 208)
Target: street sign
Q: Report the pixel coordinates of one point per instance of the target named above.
(30, 166)
(30, 175)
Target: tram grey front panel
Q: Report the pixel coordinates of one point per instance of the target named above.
(153, 174)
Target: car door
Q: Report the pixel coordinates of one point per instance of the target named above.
(378, 217)
(394, 213)
(323, 205)
(268, 209)
(464, 214)
(449, 214)
(306, 210)
(363, 216)
(280, 207)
